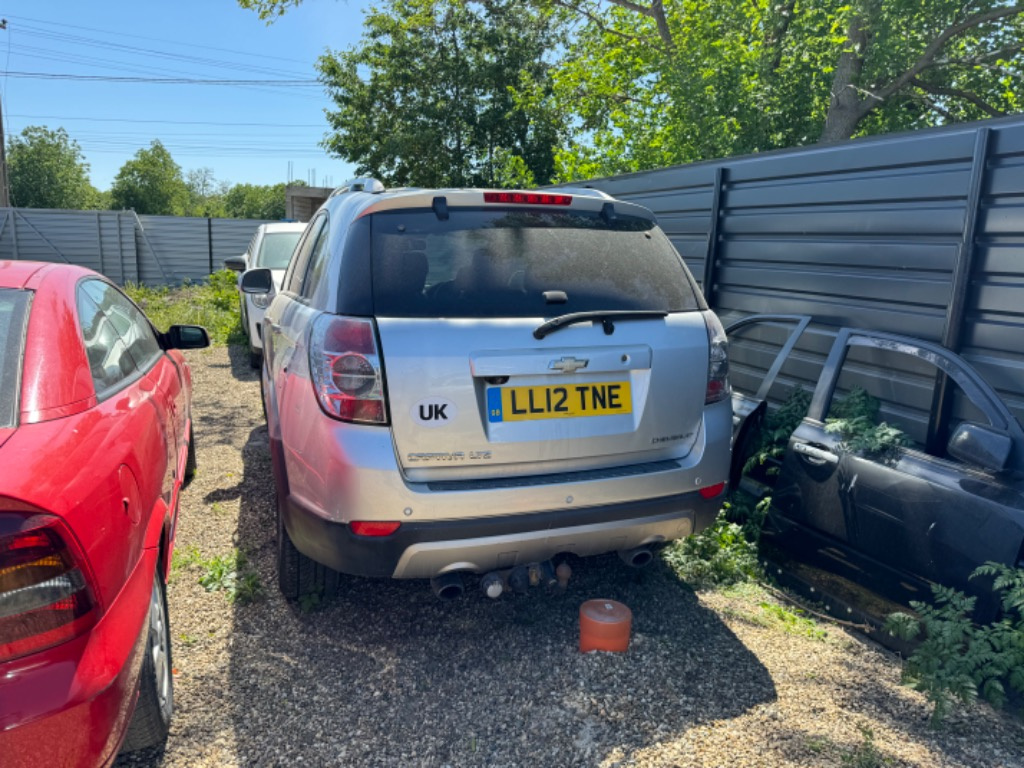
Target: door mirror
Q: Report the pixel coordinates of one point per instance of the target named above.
(980, 446)
(236, 263)
(258, 281)
(186, 337)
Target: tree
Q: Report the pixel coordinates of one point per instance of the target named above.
(150, 183)
(652, 84)
(255, 201)
(446, 93)
(205, 195)
(46, 169)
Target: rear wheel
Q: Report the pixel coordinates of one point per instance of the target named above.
(301, 577)
(152, 718)
(255, 357)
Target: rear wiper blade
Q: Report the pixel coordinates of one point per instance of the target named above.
(606, 316)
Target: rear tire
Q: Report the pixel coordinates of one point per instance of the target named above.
(152, 719)
(297, 575)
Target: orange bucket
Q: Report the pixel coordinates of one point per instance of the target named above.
(604, 626)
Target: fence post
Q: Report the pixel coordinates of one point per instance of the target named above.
(960, 286)
(209, 240)
(711, 255)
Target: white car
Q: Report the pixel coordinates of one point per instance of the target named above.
(270, 248)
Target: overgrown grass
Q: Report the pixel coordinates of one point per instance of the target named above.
(212, 304)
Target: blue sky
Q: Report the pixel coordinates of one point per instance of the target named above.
(243, 133)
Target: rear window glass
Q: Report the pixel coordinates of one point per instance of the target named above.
(500, 263)
(276, 249)
(13, 311)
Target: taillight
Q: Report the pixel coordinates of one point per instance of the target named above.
(45, 598)
(718, 361)
(373, 528)
(345, 369)
(527, 198)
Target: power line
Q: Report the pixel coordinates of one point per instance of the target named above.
(260, 56)
(160, 80)
(165, 122)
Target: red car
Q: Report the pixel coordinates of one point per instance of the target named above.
(95, 445)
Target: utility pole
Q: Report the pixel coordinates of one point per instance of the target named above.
(5, 190)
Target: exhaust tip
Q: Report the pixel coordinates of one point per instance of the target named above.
(637, 557)
(447, 586)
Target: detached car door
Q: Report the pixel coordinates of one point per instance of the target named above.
(934, 513)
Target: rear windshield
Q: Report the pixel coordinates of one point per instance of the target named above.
(13, 311)
(512, 263)
(276, 249)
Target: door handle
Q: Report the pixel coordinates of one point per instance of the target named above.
(815, 454)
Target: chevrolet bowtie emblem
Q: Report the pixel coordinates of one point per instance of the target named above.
(567, 364)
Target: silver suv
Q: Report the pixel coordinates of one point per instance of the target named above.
(467, 381)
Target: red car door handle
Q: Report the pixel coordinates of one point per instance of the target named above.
(815, 454)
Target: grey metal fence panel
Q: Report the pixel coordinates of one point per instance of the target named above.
(93, 239)
(874, 233)
(179, 247)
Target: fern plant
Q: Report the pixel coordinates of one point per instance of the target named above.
(855, 419)
(957, 661)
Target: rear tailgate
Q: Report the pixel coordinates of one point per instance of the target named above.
(486, 400)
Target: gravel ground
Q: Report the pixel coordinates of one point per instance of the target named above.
(386, 674)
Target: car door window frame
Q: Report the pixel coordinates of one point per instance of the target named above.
(296, 273)
(956, 368)
(136, 317)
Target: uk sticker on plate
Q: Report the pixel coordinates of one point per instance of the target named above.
(558, 401)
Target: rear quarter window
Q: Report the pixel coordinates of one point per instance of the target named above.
(14, 306)
(510, 263)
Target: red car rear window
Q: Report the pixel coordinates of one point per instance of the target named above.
(13, 313)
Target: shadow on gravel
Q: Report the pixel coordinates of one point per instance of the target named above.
(386, 674)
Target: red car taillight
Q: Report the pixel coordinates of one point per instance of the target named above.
(45, 597)
(718, 361)
(345, 369)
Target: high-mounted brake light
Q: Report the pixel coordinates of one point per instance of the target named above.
(45, 597)
(718, 361)
(527, 198)
(345, 369)
(373, 528)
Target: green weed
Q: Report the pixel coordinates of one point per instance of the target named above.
(865, 754)
(855, 419)
(793, 621)
(231, 574)
(212, 304)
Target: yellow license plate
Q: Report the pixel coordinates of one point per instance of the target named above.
(558, 401)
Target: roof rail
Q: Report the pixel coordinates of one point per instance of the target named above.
(584, 192)
(372, 186)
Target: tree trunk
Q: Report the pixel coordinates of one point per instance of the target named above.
(846, 106)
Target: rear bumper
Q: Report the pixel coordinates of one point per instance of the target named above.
(427, 549)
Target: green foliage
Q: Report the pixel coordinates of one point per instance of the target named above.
(46, 169)
(771, 440)
(446, 93)
(150, 183)
(855, 419)
(726, 552)
(213, 305)
(255, 201)
(205, 195)
(957, 661)
(865, 754)
(232, 575)
(793, 621)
